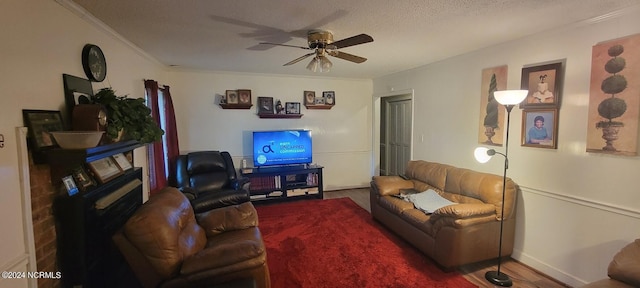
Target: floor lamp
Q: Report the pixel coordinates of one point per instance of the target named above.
(508, 98)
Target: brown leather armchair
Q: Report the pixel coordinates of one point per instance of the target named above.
(166, 246)
(209, 180)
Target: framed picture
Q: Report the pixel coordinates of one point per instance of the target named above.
(231, 96)
(309, 97)
(105, 169)
(40, 123)
(76, 91)
(70, 185)
(540, 128)
(244, 96)
(329, 97)
(319, 101)
(292, 107)
(265, 105)
(544, 83)
(122, 162)
(82, 179)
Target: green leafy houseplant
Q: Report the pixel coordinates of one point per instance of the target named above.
(129, 116)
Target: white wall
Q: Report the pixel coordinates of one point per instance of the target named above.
(576, 209)
(341, 136)
(41, 40)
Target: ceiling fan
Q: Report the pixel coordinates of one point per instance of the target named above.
(321, 41)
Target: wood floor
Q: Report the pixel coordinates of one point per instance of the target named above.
(520, 274)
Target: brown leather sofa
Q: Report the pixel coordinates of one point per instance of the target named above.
(453, 235)
(624, 269)
(166, 245)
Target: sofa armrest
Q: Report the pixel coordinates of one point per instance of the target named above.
(462, 211)
(625, 266)
(229, 218)
(390, 185)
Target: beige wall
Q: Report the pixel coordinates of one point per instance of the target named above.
(576, 208)
(341, 136)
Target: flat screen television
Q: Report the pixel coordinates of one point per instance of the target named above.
(282, 147)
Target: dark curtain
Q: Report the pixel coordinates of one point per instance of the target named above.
(159, 159)
(171, 136)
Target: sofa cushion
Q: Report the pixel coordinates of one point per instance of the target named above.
(428, 201)
(625, 265)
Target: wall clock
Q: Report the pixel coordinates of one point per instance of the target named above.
(94, 63)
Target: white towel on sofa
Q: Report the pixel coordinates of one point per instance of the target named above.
(427, 201)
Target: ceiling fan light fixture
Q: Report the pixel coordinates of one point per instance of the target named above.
(313, 65)
(325, 64)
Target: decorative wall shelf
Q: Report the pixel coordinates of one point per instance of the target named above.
(272, 116)
(320, 106)
(236, 106)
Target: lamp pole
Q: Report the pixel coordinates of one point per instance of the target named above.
(496, 277)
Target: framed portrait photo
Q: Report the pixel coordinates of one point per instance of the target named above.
(105, 169)
(292, 107)
(540, 128)
(231, 96)
(544, 83)
(40, 124)
(265, 105)
(329, 97)
(70, 185)
(309, 97)
(244, 96)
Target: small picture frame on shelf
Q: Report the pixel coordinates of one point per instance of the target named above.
(329, 97)
(82, 179)
(292, 107)
(105, 169)
(70, 185)
(40, 124)
(309, 97)
(244, 96)
(265, 105)
(122, 162)
(231, 96)
(320, 101)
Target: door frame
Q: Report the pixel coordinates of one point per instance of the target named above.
(377, 106)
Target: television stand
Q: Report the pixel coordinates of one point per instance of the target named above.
(284, 183)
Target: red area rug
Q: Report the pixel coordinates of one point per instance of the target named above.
(336, 243)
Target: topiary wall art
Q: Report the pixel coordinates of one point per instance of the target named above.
(491, 112)
(615, 97)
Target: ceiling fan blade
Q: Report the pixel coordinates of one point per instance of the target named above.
(347, 56)
(355, 40)
(286, 45)
(294, 61)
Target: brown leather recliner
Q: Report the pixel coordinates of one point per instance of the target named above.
(166, 246)
(624, 269)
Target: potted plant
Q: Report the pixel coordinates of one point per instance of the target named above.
(127, 118)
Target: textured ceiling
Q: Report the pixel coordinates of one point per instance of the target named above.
(224, 35)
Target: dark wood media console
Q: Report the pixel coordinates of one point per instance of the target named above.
(276, 184)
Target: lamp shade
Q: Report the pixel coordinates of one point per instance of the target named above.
(481, 154)
(510, 97)
(313, 65)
